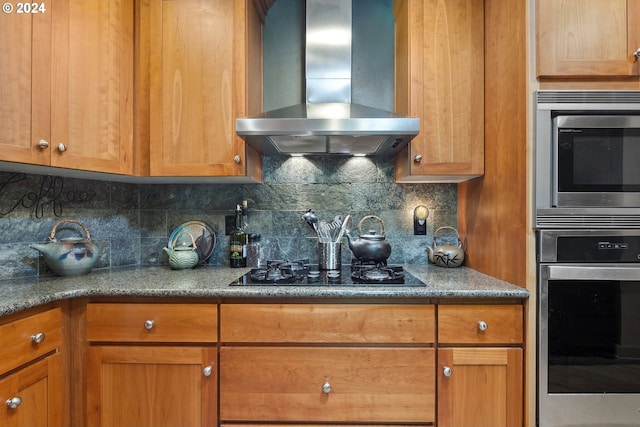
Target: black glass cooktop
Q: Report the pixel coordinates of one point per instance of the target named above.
(299, 273)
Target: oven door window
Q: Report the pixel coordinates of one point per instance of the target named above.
(594, 336)
(598, 159)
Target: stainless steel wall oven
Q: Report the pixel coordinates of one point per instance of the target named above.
(587, 219)
(589, 328)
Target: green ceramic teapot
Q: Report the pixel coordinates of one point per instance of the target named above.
(183, 256)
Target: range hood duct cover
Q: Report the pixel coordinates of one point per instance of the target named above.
(328, 123)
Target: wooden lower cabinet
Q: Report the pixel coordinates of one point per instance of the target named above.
(327, 384)
(151, 365)
(480, 365)
(36, 393)
(327, 363)
(480, 387)
(33, 370)
(151, 386)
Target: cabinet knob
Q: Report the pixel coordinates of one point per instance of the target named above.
(482, 325)
(37, 338)
(43, 144)
(447, 371)
(417, 158)
(237, 159)
(14, 402)
(326, 387)
(149, 324)
(636, 55)
(62, 148)
(207, 371)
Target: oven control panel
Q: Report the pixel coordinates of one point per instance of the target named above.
(592, 249)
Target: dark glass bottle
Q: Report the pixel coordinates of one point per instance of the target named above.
(238, 243)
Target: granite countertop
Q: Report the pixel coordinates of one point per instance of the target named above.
(213, 282)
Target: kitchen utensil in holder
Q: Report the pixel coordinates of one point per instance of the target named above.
(330, 255)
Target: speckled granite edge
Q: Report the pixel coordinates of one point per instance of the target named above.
(213, 282)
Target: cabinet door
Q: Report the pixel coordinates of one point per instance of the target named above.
(480, 387)
(440, 79)
(587, 37)
(92, 85)
(203, 53)
(151, 386)
(25, 85)
(37, 393)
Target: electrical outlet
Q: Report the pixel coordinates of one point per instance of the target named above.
(419, 229)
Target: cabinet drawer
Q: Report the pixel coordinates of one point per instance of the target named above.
(480, 324)
(26, 339)
(152, 322)
(330, 323)
(327, 384)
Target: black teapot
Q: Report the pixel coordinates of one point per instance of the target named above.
(370, 246)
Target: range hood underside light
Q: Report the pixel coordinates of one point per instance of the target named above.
(323, 144)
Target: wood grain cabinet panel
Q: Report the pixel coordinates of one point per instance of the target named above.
(587, 38)
(151, 386)
(151, 365)
(480, 324)
(24, 340)
(328, 323)
(67, 85)
(204, 55)
(481, 388)
(439, 77)
(92, 85)
(327, 363)
(327, 384)
(25, 88)
(480, 379)
(36, 391)
(181, 323)
(33, 370)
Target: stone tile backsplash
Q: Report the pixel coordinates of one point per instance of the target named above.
(131, 223)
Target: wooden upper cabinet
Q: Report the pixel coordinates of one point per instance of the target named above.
(69, 91)
(587, 38)
(25, 86)
(205, 69)
(92, 85)
(439, 72)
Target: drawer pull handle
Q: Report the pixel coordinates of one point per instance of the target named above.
(326, 387)
(482, 325)
(149, 324)
(447, 371)
(37, 338)
(207, 371)
(14, 402)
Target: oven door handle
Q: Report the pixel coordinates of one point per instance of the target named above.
(622, 272)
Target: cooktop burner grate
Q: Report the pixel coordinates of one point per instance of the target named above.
(300, 272)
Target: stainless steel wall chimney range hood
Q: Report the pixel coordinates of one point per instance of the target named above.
(328, 123)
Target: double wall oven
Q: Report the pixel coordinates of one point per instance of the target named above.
(587, 220)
